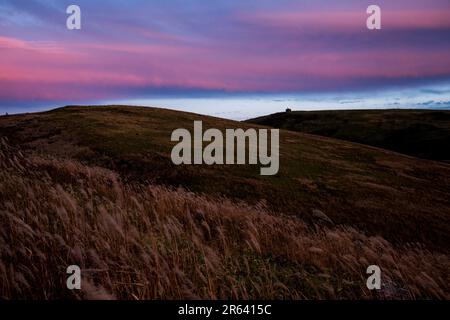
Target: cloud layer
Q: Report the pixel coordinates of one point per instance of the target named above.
(138, 48)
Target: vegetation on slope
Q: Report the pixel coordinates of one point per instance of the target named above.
(419, 133)
(135, 240)
(381, 193)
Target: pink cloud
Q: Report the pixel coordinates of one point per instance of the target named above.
(356, 20)
(85, 70)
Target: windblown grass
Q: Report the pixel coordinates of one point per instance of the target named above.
(141, 241)
(399, 198)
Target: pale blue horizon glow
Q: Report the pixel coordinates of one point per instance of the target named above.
(241, 108)
(249, 106)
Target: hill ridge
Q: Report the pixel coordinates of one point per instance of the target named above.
(382, 193)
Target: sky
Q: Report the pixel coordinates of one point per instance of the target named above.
(236, 58)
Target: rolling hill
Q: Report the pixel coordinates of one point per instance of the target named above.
(378, 191)
(90, 178)
(419, 133)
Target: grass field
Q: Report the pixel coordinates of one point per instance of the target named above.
(97, 185)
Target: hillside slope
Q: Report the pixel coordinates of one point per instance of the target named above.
(142, 241)
(400, 198)
(420, 133)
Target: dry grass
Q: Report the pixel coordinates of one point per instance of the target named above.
(137, 241)
(346, 181)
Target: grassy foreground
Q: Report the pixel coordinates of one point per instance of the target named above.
(95, 186)
(403, 199)
(142, 241)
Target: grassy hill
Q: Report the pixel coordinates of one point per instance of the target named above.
(419, 133)
(97, 185)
